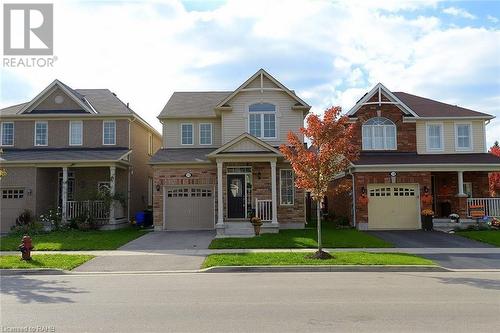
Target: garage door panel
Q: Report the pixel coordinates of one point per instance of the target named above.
(393, 206)
(189, 208)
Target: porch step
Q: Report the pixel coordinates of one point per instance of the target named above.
(244, 229)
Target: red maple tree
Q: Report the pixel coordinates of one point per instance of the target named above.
(494, 177)
(331, 151)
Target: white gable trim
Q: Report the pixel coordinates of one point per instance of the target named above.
(56, 83)
(245, 136)
(261, 72)
(379, 89)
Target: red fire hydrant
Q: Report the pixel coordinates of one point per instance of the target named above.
(26, 247)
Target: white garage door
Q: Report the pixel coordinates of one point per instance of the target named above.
(393, 206)
(188, 208)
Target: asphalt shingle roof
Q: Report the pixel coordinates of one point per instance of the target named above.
(193, 104)
(64, 154)
(425, 107)
(381, 158)
(188, 155)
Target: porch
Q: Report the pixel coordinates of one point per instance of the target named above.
(85, 191)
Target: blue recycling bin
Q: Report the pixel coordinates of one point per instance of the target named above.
(139, 218)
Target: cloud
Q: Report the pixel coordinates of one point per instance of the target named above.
(459, 12)
(329, 52)
(492, 18)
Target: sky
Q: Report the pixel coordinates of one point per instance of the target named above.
(329, 52)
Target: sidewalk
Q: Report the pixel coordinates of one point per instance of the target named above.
(205, 252)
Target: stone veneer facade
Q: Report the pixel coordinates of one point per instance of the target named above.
(289, 216)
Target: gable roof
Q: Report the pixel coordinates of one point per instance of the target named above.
(426, 107)
(261, 72)
(264, 146)
(193, 104)
(380, 89)
(416, 106)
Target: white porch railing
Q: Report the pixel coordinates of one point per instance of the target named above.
(96, 209)
(264, 210)
(491, 205)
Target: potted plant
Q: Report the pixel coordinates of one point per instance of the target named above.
(454, 217)
(427, 215)
(257, 223)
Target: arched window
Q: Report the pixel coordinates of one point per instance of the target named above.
(262, 120)
(379, 134)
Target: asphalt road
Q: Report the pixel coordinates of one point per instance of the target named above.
(270, 302)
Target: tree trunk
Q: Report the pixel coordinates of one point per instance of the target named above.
(320, 245)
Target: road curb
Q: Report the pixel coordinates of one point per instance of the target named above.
(32, 271)
(325, 268)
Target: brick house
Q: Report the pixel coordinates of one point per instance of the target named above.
(415, 154)
(220, 162)
(65, 145)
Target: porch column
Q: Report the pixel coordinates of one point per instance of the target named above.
(64, 200)
(273, 193)
(220, 203)
(112, 183)
(460, 184)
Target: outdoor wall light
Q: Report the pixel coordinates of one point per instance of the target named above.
(363, 191)
(426, 190)
(259, 175)
(158, 188)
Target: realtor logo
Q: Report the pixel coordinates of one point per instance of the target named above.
(28, 29)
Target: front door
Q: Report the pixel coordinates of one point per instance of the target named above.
(236, 196)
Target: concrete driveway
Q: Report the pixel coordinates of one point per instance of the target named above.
(155, 251)
(437, 239)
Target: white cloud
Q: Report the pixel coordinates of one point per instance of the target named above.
(329, 52)
(459, 12)
(492, 18)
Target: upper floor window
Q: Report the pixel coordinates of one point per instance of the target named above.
(41, 133)
(435, 137)
(206, 134)
(150, 144)
(379, 134)
(75, 133)
(463, 136)
(7, 134)
(262, 120)
(187, 134)
(109, 132)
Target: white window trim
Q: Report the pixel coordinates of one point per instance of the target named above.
(13, 134)
(69, 139)
(470, 148)
(465, 185)
(114, 138)
(34, 136)
(192, 134)
(427, 141)
(211, 134)
(293, 189)
(385, 141)
(275, 137)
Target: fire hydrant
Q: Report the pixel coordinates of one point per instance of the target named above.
(26, 247)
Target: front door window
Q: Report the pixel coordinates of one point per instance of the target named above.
(236, 196)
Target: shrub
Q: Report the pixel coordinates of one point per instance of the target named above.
(52, 218)
(84, 222)
(341, 221)
(26, 224)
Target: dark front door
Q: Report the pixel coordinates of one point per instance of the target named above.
(235, 196)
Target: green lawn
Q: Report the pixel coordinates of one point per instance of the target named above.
(485, 236)
(298, 258)
(62, 261)
(74, 240)
(303, 238)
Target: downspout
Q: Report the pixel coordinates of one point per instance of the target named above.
(353, 200)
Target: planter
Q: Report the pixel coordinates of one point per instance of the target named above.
(427, 222)
(256, 229)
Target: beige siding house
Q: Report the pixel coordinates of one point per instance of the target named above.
(66, 144)
(220, 162)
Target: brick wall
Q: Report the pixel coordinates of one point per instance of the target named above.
(406, 132)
